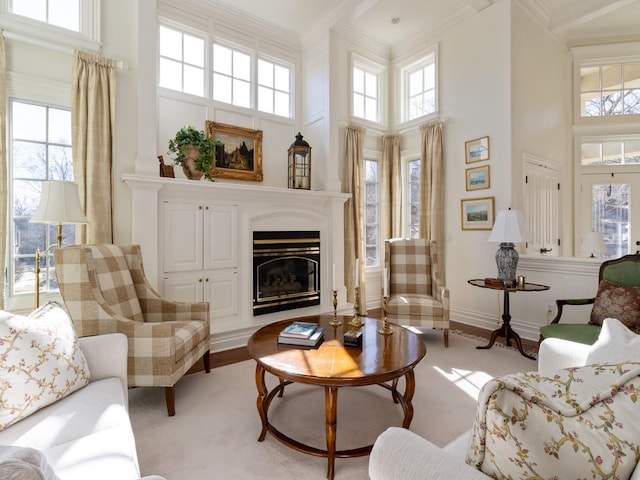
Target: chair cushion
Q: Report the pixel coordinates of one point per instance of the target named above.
(115, 282)
(414, 306)
(41, 362)
(616, 301)
(616, 344)
(575, 332)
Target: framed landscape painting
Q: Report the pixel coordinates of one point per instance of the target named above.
(477, 213)
(478, 178)
(477, 150)
(240, 155)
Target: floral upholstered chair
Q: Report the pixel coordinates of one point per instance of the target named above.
(417, 294)
(105, 290)
(618, 297)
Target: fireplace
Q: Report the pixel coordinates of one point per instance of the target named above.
(286, 270)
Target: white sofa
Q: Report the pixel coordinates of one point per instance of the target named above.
(399, 454)
(86, 435)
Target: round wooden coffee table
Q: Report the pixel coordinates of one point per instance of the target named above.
(382, 360)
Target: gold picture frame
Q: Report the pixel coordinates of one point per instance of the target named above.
(240, 155)
(478, 178)
(477, 213)
(477, 150)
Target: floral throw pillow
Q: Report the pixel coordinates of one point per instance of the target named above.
(616, 301)
(41, 362)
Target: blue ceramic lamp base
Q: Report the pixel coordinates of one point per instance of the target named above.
(507, 261)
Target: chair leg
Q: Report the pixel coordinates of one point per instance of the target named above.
(446, 338)
(206, 358)
(170, 396)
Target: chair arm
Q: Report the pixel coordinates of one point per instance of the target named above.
(399, 454)
(556, 354)
(574, 301)
(444, 299)
(106, 356)
(162, 310)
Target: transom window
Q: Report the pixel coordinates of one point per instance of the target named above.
(39, 149)
(610, 152)
(611, 89)
(181, 61)
(61, 13)
(231, 76)
(365, 94)
(419, 87)
(274, 88)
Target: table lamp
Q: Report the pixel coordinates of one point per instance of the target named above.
(509, 228)
(593, 243)
(59, 204)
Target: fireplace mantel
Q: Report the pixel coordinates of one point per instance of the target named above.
(258, 208)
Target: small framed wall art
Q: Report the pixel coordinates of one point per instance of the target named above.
(240, 155)
(477, 150)
(477, 213)
(478, 178)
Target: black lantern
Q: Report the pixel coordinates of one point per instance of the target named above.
(299, 164)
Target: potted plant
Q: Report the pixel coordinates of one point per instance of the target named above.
(195, 152)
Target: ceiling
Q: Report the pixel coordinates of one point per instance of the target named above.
(395, 22)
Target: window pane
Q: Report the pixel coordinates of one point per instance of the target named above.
(632, 151)
(29, 122)
(265, 73)
(612, 152)
(29, 160)
(611, 77)
(241, 66)
(281, 104)
(65, 14)
(194, 51)
(415, 83)
(358, 80)
(612, 104)
(591, 104)
(60, 163)
(221, 88)
(631, 102)
(371, 85)
(265, 99)
(358, 105)
(282, 78)
(193, 80)
(222, 59)
(170, 74)
(59, 126)
(36, 9)
(591, 153)
(170, 43)
(430, 77)
(631, 74)
(371, 109)
(611, 216)
(241, 93)
(589, 79)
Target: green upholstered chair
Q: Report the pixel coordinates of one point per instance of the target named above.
(618, 297)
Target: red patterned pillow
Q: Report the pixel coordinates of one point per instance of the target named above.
(616, 301)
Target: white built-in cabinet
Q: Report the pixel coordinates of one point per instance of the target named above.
(200, 255)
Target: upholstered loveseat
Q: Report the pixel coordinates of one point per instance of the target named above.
(545, 424)
(82, 430)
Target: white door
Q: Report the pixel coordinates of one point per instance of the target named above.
(542, 205)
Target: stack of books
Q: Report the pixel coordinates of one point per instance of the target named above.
(306, 334)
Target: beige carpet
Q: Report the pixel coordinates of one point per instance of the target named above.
(215, 430)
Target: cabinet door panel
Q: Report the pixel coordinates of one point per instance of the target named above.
(183, 237)
(221, 244)
(221, 291)
(183, 287)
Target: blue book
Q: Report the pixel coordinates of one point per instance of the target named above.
(299, 330)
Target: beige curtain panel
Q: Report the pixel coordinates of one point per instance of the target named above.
(391, 188)
(92, 118)
(432, 184)
(353, 214)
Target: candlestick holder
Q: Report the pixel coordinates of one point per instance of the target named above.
(356, 322)
(386, 328)
(334, 322)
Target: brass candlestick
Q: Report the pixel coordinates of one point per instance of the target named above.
(335, 322)
(356, 322)
(386, 328)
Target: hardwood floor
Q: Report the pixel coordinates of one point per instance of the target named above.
(220, 359)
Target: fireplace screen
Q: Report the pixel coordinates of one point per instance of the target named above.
(286, 270)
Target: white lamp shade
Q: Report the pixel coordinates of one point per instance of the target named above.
(59, 204)
(593, 242)
(509, 227)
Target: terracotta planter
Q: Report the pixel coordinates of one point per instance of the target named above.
(188, 166)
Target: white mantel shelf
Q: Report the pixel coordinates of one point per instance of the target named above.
(259, 208)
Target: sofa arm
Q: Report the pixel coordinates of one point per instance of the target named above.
(106, 356)
(556, 354)
(399, 454)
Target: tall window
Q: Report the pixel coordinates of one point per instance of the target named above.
(611, 89)
(413, 198)
(39, 149)
(365, 94)
(372, 213)
(61, 13)
(181, 61)
(274, 88)
(231, 76)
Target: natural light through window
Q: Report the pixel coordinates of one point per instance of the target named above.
(612, 89)
(61, 13)
(181, 61)
(365, 94)
(274, 87)
(470, 382)
(231, 76)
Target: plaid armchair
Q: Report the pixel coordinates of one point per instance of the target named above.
(417, 295)
(105, 291)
